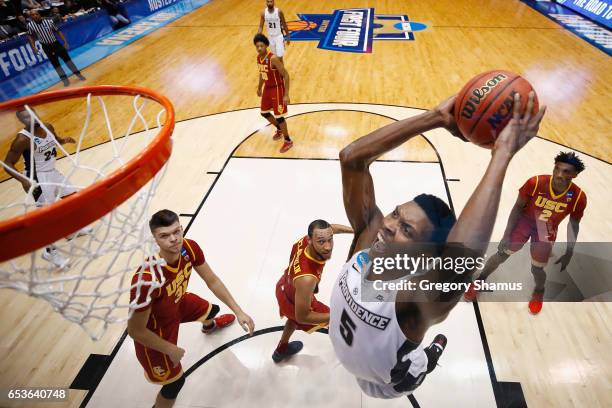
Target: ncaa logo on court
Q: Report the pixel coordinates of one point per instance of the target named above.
(353, 30)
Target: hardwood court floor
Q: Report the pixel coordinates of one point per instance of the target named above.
(205, 63)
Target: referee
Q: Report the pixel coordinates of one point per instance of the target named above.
(44, 31)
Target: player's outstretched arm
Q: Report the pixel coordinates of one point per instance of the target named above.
(475, 224)
(355, 159)
(217, 287)
(341, 229)
(304, 288)
(137, 329)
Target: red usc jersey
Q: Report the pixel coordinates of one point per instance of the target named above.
(272, 78)
(166, 301)
(300, 264)
(546, 209)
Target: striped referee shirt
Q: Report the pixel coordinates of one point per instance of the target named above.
(44, 31)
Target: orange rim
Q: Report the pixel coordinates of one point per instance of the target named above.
(28, 232)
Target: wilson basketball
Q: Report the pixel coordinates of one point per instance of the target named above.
(484, 105)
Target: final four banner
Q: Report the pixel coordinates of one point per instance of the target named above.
(352, 30)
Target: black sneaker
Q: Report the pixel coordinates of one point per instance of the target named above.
(81, 77)
(65, 81)
(434, 351)
(293, 347)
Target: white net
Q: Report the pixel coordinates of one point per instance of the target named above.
(86, 276)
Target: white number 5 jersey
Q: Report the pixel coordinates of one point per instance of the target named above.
(366, 336)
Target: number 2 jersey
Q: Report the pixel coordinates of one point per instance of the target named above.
(366, 336)
(546, 209)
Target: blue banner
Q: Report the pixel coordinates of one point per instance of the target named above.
(583, 27)
(16, 55)
(138, 9)
(596, 10)
(350, 31)
(91, 38)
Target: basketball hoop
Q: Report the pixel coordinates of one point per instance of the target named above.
(66, 216)
(111, 187)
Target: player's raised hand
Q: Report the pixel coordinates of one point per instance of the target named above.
(447, 114)
(176, 354)
(246, 322)
(520, 129)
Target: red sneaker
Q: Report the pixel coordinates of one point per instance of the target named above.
(220, 322)
(286, 146)
(277, 135)
(536, 302)
(471, 293)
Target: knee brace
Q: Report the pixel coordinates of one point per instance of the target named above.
(539, 277)
(538, 273)
(213, 312)
(502, 256)
(170, 391)
(266, 115)
(280, 120)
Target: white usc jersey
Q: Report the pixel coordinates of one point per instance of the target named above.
(44, 152)
(366, 336)
(273, 22)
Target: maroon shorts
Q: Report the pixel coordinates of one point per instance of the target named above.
(157, 365)
(540, 248)
(272, 100)
(287, 309)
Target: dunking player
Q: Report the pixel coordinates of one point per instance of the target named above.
(155, 326)
(297, 286)
(379, 341)
(275, 94)
(542, 203)
(36, 143)
(278, 32)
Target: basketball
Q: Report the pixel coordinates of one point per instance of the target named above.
(484, 106)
